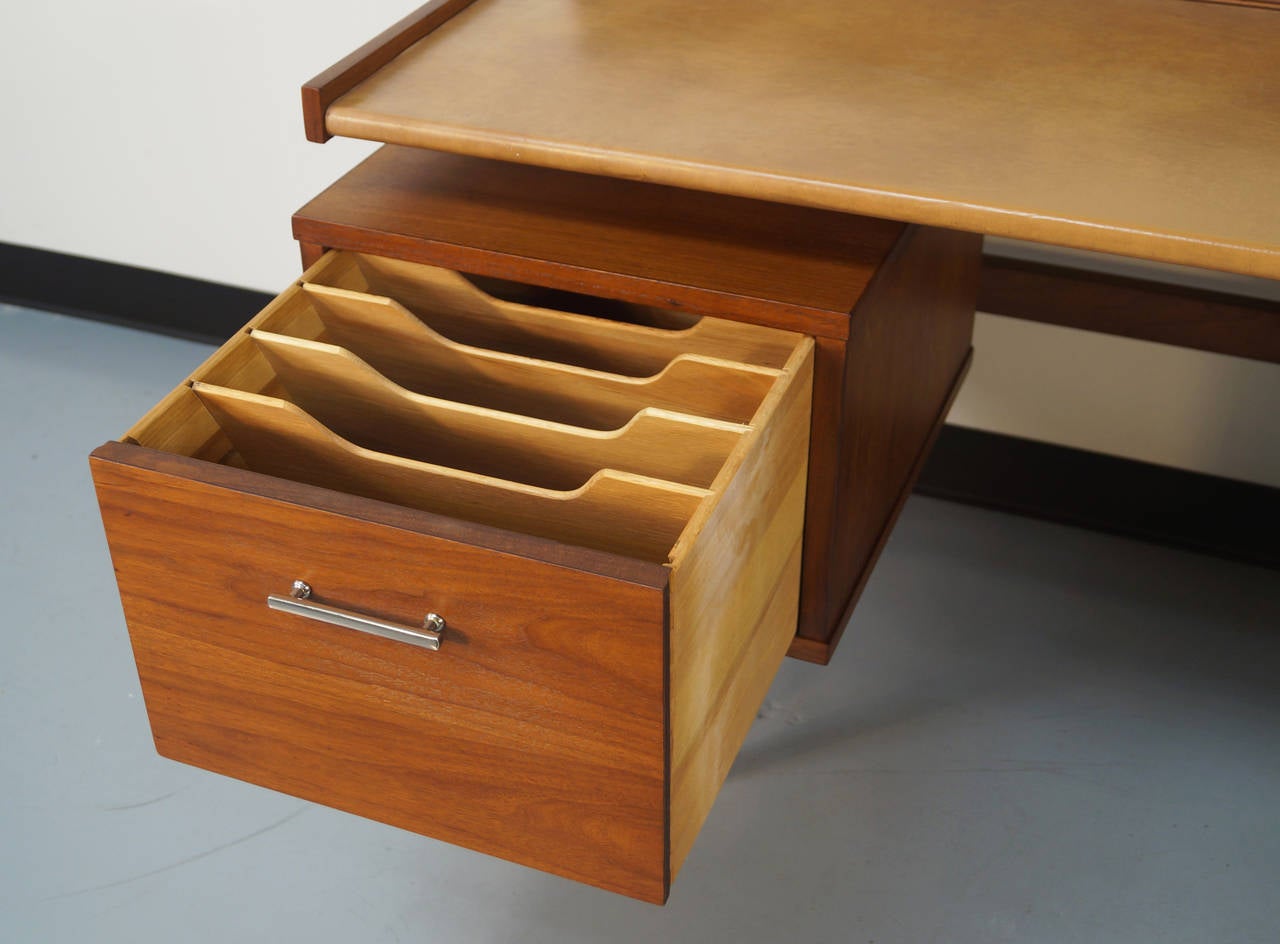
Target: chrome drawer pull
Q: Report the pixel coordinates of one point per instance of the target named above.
(297, 603)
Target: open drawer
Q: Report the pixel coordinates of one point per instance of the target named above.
(510, 577)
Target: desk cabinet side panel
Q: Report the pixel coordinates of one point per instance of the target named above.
(909, 343)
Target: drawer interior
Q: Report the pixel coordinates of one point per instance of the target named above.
(409, 384)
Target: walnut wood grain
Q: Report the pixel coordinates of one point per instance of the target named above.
(310, 254)
(749, 260)
(1142, 127)
(1131, 308)
(342, 76)
(821, 650)
(909, 341)
(536, 733)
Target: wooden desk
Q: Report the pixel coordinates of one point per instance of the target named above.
(387, 440)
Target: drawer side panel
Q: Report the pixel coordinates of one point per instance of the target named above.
(734, 603)
(536, 733)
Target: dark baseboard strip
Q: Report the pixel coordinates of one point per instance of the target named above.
(1154, 503)
(124, 295)
(1190, 510)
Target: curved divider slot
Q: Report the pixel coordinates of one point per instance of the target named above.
(596, 306)
(352, 399)
(614, 511)
(180, 424)
(457, 309)
(398, 345)
(385, 407)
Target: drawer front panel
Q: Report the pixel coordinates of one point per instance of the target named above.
(536, 732)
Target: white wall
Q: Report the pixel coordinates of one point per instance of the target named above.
(1164, 404)
(168, 135)
(1128, 398)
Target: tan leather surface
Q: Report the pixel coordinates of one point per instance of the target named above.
(1144, 127)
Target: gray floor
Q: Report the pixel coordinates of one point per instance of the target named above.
(1031, 733)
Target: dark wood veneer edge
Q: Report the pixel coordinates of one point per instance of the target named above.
(1129, 307)
(383, 513)
(348, 72)
(666, 742)
(1258, 4)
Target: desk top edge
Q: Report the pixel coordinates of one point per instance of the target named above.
(565, 143)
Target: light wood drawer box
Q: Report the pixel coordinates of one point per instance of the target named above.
(607, 517)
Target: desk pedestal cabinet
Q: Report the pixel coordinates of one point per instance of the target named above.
(517, 574)
(606, 522)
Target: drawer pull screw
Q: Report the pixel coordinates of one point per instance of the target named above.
(299, 603)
